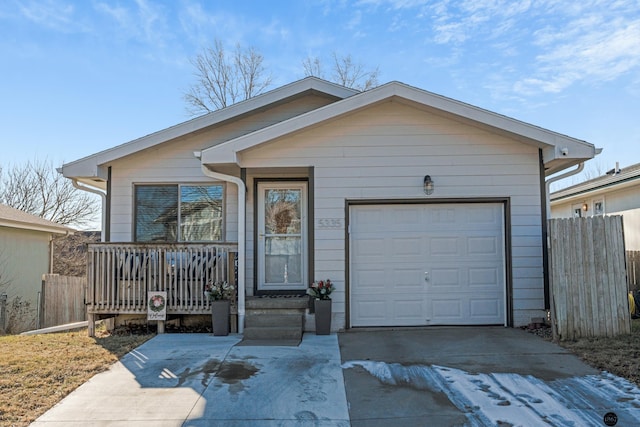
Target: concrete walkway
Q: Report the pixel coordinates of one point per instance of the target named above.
(202, 380)
(418, 377)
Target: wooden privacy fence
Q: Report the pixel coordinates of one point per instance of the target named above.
(633, 269)
(588, 277)
(62, 300)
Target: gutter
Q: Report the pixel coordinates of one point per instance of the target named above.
(242, 191)
(558, 178)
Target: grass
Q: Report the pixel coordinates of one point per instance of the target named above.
(37, 371)
(618, 355)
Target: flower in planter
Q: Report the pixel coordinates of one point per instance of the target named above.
(218, 290)
(321, 289)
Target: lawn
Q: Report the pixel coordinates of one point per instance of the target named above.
(619, 356)
(37, 371)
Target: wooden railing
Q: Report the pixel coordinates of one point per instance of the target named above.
(119, 275)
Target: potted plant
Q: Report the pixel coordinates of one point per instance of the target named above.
(219, 294)
(320, 291)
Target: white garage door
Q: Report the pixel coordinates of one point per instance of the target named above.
(439, 264)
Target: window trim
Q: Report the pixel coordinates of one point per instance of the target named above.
(223, 225)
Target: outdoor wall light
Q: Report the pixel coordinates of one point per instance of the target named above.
(585, 207)
(428, 185)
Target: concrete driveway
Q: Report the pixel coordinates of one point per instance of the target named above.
(429, 377)
(476, 377)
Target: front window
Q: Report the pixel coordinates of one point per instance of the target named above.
(178, 213)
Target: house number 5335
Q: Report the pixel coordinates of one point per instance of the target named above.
(329, 223)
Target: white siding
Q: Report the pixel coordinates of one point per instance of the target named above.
(385, 151)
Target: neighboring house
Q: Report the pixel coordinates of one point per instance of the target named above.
(421, 209)
(25, 255)
(616, 193)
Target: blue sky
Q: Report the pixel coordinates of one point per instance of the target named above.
(78, 77)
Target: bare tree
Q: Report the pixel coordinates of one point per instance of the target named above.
(70, 253)
(38, 189)
(223, 78)
(345, 71)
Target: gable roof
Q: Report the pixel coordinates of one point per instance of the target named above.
(625, 177)
(559, 151)
(89, 167)
(15, 218)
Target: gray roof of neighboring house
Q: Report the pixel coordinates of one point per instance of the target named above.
(15, 218)
(611, 179)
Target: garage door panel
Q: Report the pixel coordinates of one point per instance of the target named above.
(409, 312)
(483, 214)
(404, 281)
(459, 246)
(446, 308)
(483, 246)
(370, 312)
(406, 246)
(444, 277)
(373, 247)
(368, 279)
(480, 308)
(487, 277)
(444, 246)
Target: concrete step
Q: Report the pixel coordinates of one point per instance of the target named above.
(268, 319)
(277, 303)
(273, 333)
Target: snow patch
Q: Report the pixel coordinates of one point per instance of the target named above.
(514, 399)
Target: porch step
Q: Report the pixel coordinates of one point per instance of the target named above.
(272, 319)
(278, 320)
(277, 303)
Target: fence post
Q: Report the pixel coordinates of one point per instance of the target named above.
(3, 313)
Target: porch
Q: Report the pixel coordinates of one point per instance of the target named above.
(119, 275)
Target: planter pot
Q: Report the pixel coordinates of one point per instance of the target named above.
(312, 307)
(323, 316)
(220, 317)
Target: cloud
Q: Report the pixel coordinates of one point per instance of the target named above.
(52, 14)
(144, 21)
(589, 51)
(554, 44)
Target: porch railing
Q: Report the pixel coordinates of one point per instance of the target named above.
(119, 275)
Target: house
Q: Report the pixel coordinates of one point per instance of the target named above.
(615, 193)
(25, 255)
(421, 209)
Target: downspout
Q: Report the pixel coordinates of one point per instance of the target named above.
(103, 197)
(548, 285)
(242, 191)
(558, 178)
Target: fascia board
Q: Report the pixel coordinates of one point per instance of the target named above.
(549, 140)
(593, 189)
(89, 166)
(35, 227)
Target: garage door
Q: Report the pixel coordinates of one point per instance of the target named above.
(413, 265)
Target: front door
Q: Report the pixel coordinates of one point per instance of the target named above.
(282, 236)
